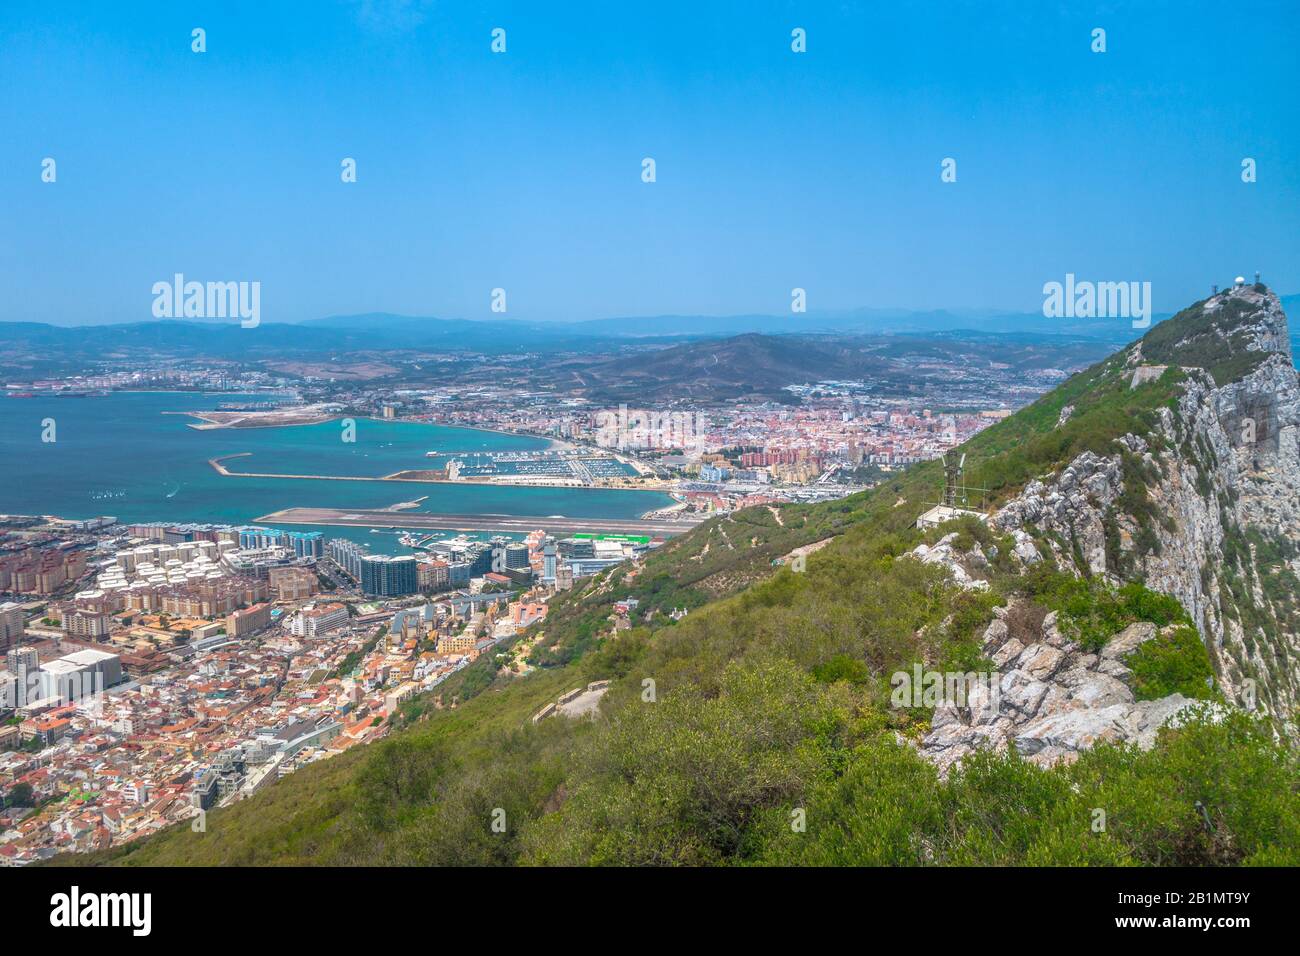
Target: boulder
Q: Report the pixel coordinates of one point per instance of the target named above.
(1007, 652)
(1024, 694)
(995, 633)
(1040, 661)
(1075, 729)
(1115, 669)
(1101, 691)
(1127, 640)
(1025, 549)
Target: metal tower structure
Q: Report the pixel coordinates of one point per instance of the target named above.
(956, 494)
(954, 491)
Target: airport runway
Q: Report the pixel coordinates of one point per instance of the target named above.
(517, 524)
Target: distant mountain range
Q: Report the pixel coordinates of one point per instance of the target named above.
(758, 366)
(865, 321)
(34, 347)
(321, 336)
(662, 327)
(859, 321)
(862, 320)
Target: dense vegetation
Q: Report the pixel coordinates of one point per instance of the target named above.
(1214, 341)
(1174, 663)
(1092, 611)
(757, 729)
(766, 711)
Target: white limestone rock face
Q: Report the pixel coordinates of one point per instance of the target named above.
(1075, 500)
(944, 552)
(1025, 549)
(1227, 459)
(1051, 702)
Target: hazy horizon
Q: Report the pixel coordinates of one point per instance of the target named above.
(971, 313)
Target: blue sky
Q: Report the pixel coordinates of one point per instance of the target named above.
(522, 170)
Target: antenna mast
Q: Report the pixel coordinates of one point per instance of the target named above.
(954, 488)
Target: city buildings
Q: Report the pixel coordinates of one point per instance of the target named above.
(292, 583)
(316, 620)
(79, 676)
(388, 576)
(525, 613)
(248, 620)
(41, 570)
(226, 693)
(433, 574)
(85, 622)
(23, 665)
(347, 556)
(11, 624)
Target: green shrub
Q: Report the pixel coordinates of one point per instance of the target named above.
(842, 667)
(1091, 612)
(1176, 663)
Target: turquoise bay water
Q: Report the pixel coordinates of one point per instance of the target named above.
(120, 455)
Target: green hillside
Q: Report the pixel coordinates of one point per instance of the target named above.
(757, 729)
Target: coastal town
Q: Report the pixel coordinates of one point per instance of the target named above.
(821, 440)
(152, 670)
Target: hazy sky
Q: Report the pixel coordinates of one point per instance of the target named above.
(522, 170)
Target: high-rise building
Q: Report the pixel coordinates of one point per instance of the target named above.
(384, 575)
(516, 556)
(8, 691)
(11, 624)
(292, 583)
(307, 544)
(84, 622)
(24, 664)
(433, 575)
(347, 555)
(498, 544)
(577, 548)
(478, 555)
(255, 539)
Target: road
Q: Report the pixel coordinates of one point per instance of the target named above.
(518, 524)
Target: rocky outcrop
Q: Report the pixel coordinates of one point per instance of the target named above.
(1049, 699)
(1072, 505)
(944, 553)
(1221, 475)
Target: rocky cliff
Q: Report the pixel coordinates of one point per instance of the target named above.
(1205, 504)
(1052, 697)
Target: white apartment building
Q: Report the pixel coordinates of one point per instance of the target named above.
(318, 619)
